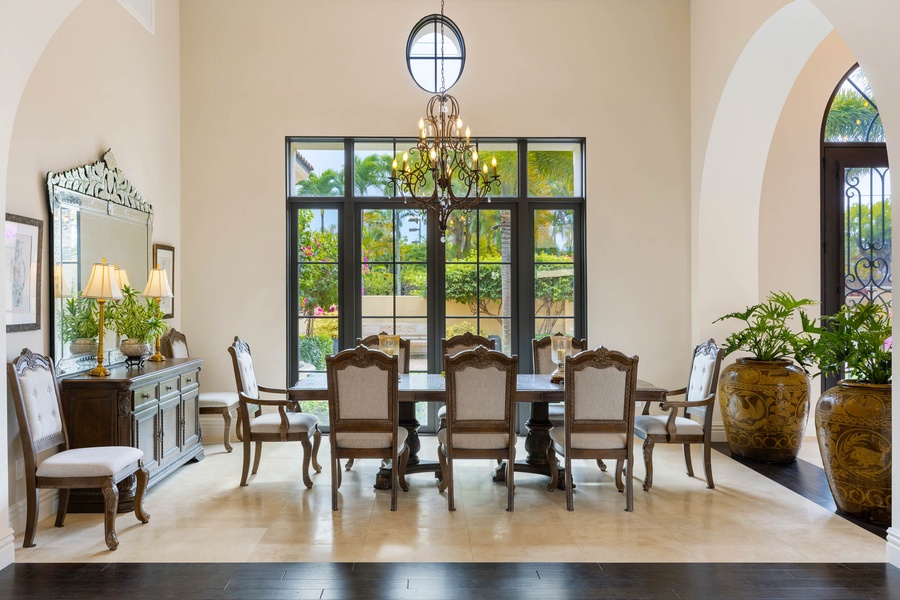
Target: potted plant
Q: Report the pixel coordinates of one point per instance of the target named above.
(80, 324)
(853, 418)
(765, 397)
(138, 322)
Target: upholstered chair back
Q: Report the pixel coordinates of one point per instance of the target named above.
(402, 356)
(244, 375)
(37, 404)
(466, 341)
(173, 344)
(540, 352)
(481, 388)
(599, 393)
(704, 377)
(362, 397)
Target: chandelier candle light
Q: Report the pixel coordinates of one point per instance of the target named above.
(443, 171)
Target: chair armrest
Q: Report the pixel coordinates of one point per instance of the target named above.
(677, 392)
(280, 404)
(687, 403)
(271, 390)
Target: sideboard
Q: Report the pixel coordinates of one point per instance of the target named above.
(153, 408)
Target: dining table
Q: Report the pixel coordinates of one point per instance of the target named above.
(535, 390)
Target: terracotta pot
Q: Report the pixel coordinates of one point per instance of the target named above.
(853, 426)
(764, 405)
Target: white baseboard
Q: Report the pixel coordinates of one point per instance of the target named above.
(892, 554)
(7, 548)
(46, 508)
(718, 433)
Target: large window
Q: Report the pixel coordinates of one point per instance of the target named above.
(363, 261)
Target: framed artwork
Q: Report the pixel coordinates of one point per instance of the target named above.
(24, 240)
(164, 256)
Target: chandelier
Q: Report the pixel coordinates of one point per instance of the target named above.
(443, 171)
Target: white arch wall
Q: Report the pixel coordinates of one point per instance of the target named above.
(25, 29)
(729, 163)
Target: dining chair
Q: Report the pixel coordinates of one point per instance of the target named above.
(373, 341)
(481, 400)
(364, 414)
(173, 344)
(599, 409)
(280, 426)
(454, 345)
(42, 427)
(695, 426)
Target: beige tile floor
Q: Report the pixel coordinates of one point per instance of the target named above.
(201, 514)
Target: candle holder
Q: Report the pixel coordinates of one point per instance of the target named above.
(560, 347)
(388, 344)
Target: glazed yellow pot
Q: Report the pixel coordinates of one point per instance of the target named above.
(853, 426)
(765, 405)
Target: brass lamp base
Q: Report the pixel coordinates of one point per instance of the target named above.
(157, 357)
(557, 376)
(99, 371)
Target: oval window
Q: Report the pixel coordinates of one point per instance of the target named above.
(435, 53)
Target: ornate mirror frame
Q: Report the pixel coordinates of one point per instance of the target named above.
(96, 213)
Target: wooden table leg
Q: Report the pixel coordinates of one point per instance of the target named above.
(409, 422)
(537, 440)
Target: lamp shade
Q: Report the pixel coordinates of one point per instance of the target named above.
(123, 277)
(158, 284)
(103, 282)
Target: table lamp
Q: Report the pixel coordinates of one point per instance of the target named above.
(103, 284)
(388, 343)
(123, 277)
(158, 288)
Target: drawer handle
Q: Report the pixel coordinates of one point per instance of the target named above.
(189, 380)
(168, 388)
(145, 396)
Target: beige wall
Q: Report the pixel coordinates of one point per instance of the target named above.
(87, 93)
(789, 228)
(615, 72)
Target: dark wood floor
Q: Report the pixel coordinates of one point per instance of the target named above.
(425, 581)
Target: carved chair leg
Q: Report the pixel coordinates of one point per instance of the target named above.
(619, 485)
(226, 414)
(257, 457)
(687, 460)
(554, 468)
(629, 486)
(110, 505)
(63, 507)
(401, 476)
(570, 489)
(340, 475)
(442, 460)
(510, 485)
(307, 450)
(601, 464)
(707, 466)
(239, 427)
(31, 518)
(142, 477)
(395, 480)
(451, 505)
(317, 441)
(246, 470)
(349, 464)
(335, 470)
(648, 464)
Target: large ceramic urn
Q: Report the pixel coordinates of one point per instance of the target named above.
(764, 405)
(853, 426)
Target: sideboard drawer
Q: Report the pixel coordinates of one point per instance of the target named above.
(190, 380)
(144, 395)
(168, 388)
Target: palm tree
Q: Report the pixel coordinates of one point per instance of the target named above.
(329, 183)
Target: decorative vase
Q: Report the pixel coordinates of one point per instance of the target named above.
(853, 426)
(764, 405)
(83, 346)
(134, 348)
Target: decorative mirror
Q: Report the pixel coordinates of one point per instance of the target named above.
(96, 214)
